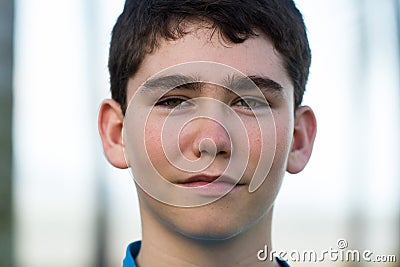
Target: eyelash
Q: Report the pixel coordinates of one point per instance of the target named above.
(164, 102)
(244, 103)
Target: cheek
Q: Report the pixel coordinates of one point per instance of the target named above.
(273, 141)
(255, 141)
(153, 144)
(284, 135)
(266, 194)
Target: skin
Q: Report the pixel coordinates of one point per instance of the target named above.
(230, 231)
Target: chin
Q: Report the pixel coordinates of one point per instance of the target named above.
(210, 232)
(212, 222)
(221, 220)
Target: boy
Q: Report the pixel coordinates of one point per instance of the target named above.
(205, 111)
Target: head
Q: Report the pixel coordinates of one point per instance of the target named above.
(266, 40)
(143, 24)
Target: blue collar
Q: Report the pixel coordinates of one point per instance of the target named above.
(131, 253)
(133, 250)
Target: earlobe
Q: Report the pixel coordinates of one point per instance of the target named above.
(110, 125)
(305, 128)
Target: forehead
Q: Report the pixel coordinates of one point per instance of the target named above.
(256, 56)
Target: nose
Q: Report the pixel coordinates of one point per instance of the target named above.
(205, 136)
(212, 138)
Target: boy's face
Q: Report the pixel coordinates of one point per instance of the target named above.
(272, 135)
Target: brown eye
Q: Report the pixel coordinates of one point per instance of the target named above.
(173, 102)
(251, 103)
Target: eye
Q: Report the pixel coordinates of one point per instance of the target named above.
(251, 103)
(173, 102)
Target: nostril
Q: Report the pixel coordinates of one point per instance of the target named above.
(208, 146)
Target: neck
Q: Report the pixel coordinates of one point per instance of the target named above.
(162, 246)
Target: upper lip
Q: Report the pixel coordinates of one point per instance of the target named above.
(209, 179)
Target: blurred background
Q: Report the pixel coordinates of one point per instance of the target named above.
(62, 204)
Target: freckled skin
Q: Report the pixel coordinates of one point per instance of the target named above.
(227, 216)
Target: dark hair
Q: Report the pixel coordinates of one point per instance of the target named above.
(143, 23)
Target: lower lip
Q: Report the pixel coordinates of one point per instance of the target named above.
(212, 189)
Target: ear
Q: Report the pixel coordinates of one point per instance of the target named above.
(305, 128)
(110, 127)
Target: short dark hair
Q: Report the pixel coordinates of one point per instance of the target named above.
(143, 23)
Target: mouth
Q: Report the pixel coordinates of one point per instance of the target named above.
(211, 185)
(201, 180)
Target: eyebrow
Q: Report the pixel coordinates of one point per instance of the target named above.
(173, 81)
(247, 82)
(234, 83)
